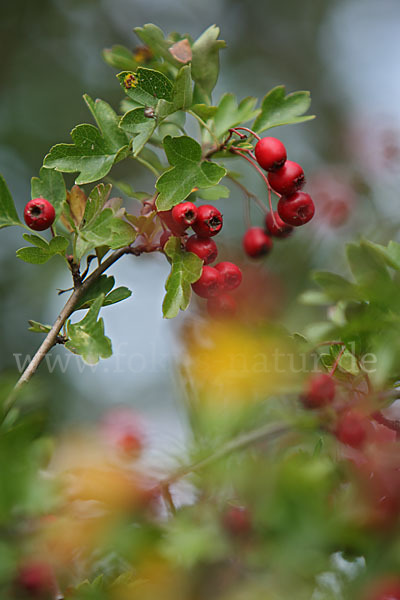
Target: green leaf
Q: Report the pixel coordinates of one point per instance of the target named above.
(118, 295)
(188, 171)
(42, 250)
(336, 287)
(103, 286)
(8, 213)
(214, 193)
(108, 122)
(87, 337)
(204, 111)
(50, 185)
(146, 86)
(120, 57)
(37, 327)
(136, 123)
(154, 38)
(90, 155)
(390, 253)
(185, 270)
(183, 89)
(230, 114)
(205, 61)
(347, 362)
(367, 266)
(278, 109)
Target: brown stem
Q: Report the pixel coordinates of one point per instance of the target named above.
(53, 337)
(266, 432)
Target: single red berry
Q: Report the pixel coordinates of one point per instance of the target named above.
(36, 579)
(352, 429)
(256, 242)
(288, 179)
(320, 391)
(39, 214)
(237, 521)
(276, 227)
(231, 275)
(184, 214)
(296, 209)
(208, 222)
(222, 306)
(176, 229)
(204, 248)
(270, 153)
(209, 284)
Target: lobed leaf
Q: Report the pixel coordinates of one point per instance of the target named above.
(87, 336)
(8, 213)
(278, 109)
(50, 185)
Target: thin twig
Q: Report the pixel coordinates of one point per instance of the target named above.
(266, 432)
(51, 338)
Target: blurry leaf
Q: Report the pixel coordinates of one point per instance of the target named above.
(185, 270)
(229, 114)
(205, 61)
(154, 38)
(128, 190)
(37, 327)
(50, 185)
(87, 337)
(136, 123)
(42, 250)
(368, 267)
(8, 214)
(390, 253)
(146, 86)
(278, 109)
(120, 57)
(214, 193)
(347, 362)
(189, 171)
(181, 51)
(204, 111)
(314, 298)
(336, 287)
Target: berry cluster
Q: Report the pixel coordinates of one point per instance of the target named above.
(285, 179)
(215, 283)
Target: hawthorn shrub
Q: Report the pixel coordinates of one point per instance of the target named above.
(290, 485)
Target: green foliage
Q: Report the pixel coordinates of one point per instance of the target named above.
(103, 287)
(185, 269)
(188, 171)
(231, 114)
(205, 62)
(50, 185)
(278, 109)
(8, 214)
(87, 337)
(42, 250)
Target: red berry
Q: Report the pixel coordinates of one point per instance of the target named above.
(288, 179)
(277, 228)
(209, 284)
(184, 214)
(168, 220)
(351, 429)
(205, 248)
(320, 391)
(208, 222)
(237, 521)
(270, 153)
(39, 214)
(296, 209)
(222, 306)
(256, 242)
(36, 579)
(231, 275)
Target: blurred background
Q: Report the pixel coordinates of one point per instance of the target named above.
(345, 52)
